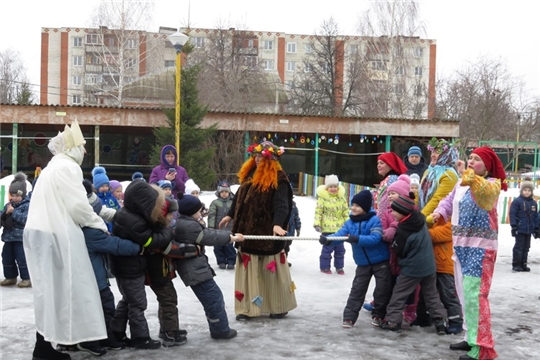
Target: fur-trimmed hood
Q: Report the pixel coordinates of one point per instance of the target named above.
(323, 193)
(146, 200)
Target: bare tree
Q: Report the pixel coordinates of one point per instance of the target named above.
(229, 156)
(14, 85)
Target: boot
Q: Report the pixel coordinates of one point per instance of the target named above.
(8, 282)
(525, 267)
(516, 267)
(43, 350)
(225, 336)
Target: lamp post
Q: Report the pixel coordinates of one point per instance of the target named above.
(178, 40)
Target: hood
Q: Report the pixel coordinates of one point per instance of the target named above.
(164, 150)
(323, 193)
(146, 200)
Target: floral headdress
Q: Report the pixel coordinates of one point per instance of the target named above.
(267, 149)
(440, 145)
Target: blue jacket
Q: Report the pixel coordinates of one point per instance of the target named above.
(100, 244)
(16, 220)
(524, 214)
(371, 249)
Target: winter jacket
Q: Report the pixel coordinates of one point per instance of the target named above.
(370, 249)
(412, 244)
(380, 197)
(15, 222)
(295, 224)
(219, 208)
(332, 210)
(418, 169)
(524, 214)
(389, 226)
(441, 237)
(445, 185)
(195, 270)
(100, 244)
(159, 172)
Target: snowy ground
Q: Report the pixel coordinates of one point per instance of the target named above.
(313, 330)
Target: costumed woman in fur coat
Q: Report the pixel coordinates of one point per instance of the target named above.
(262, 206)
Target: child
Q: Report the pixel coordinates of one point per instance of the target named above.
(196, 271)
(295, 225)
(101, 184)
(117, 191)
(166, 186)
(331, 213)
(523, 220)
(194, 190)
(137, 176)
(412, 244)
(415, 185)
(13, 219)
(371, 256)
(225, 254)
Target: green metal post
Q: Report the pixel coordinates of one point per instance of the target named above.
(388, 143)
(246, 145)
(316, 172)
(14, 146)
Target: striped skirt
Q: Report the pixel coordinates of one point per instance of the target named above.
(263, 285)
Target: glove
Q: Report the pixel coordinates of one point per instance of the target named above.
(298, 232)
(353, 239)
(318, 229)
(536, 234)
(323, 240)
(514, 232)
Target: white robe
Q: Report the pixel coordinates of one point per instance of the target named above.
(67, 304)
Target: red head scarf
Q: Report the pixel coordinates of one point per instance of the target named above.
(395, 163)
(493, 164)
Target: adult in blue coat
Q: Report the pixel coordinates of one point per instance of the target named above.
(524, 223)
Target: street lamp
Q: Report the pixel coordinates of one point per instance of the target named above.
(178, 40)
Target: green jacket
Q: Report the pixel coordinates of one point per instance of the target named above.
(332, 210)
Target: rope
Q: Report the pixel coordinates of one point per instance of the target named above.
(287, 238)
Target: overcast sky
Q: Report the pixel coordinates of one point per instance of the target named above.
(464, 30)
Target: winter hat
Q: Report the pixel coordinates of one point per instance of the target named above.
(364, 199)
(224, 186)
(267, 149)
(526, 185)
(395, 163)
(330, 180)
(403, 205)
(18, 185)
(415, 179)
(165, 184)
(114, 184)
(493, 164)
(189, 205)
(402, 185)
(414, 150)
(170, 206)
(191, 187)
(137, 176)
(99, 176)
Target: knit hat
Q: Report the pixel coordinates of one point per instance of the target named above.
(330, 180)
(364, 199)
(170, 206)
(191, 187)
(137, 176)
(526, 185)
(18, 185)
(415, 179)
(189, 205)
(114, 184)
(493, 164)
(164, 184)
(395, 163)
(224, 186)
(267, 149)
(99, 176)
(414, 150)
(403, 205)
(402, 185)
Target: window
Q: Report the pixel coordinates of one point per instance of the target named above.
(418, 90)
(92, 39)
(268, 64)
(418, 52)
(77, 41)
(76, 80)
(418, 110)
(308, 68)
(77, 60)
(400, 70)
(396, 109)
(90, 79)
(291, 47)
(110, 42)
(378, 65)
(399, 89)
(250, 61)
(418, 70)
(289, 85)
(131, 43)
(198, 42)
(398, 51)
(268, 44)
(308, 49)
(290, 65)
(131, 62)
(76, 99)
(169, 63)
(353, 49)
(93, 59)
(250, 43)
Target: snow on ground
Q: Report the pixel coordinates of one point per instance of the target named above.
(313, 330)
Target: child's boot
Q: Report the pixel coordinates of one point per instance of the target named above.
(43, 350)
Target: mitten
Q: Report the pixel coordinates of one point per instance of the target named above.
(318, 229)
(536, 233)
(323, 240)
(298, 232)
(514, 231)
(353, 239)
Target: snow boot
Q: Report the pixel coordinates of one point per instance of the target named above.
(43, 350)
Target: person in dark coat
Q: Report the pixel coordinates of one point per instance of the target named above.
(196, 272)
(524, 223)
(415, 162)
(225, 254)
